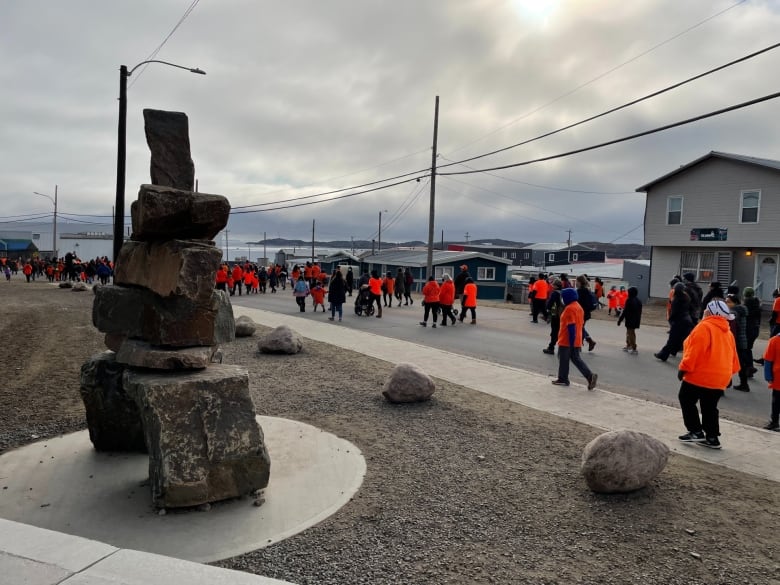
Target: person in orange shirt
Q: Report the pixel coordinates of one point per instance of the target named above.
(315, 273)
(447, 299)
(709, 361)
(375, 286)
(612, 301)
(469, 301)
(222, 278)
(539, 302)
(598, 290)
(772, 376)
(27, 270)
(388, 288)
(249, 276)
(774, 318)
(570, 341)
(430, 301)
(238, 278)
(622, 297)
(307, 273)
(318, 296)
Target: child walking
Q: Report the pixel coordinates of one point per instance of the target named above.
(570, 341)
(318, 296)
(632, 315)
(772, 376)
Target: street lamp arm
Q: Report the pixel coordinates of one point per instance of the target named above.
(49, 197)
(191, 69)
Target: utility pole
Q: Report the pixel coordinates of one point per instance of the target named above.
(265, 257)
(431, 212)
(467, 238)
(312, 240)
(352, 239)
(227, 247)
(568, 247)
(442, 240)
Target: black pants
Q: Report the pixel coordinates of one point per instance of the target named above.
(677, 334)
(538, 306)
(555, 327)
(446, 312)
(463, 313)
(301, 303)
(568, 354)
(708, 399)
(775, 417)
(431, 308)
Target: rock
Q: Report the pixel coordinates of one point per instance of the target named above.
(114, 341)
(112, 415)
(165, 213)
(168, 137)
(204, 441)
(408, 383)
(245, 327)
(66, 284)
(79, 287)
(280, 340)
(174, 268)
(175, 322)
(622, 461)
(133, 352)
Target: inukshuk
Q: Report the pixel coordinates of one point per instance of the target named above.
(156, 388)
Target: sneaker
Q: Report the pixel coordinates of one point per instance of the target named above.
(548, 351)
(592, 381)
(711, 442)
(433, 325)
(558, 382)
(742, 388)
(634, 352)
(591, 344)
(473, 321)
(659, 356)
(330, 318)
(626, 349)
(692, 437)
(423, 323)
(772, 426)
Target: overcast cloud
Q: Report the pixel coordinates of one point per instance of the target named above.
(309, 96)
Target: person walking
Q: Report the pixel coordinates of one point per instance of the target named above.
(408, 284)
(753, 306)
(598, 290)
(738, 326)
(612, 301)
(469, 301)
(460, 280)
(337, 295)
(774, 317)
(772, 376)
(570, 341)
(709, 361)
(695, 294)
(430, 301)
(541, 290)
(400, 287)
(680, 323)
(375, 286)
(300, 292)
(388, 288)
(715, 292)
(585, 298)
(632, 315)
(554, 309)
(349, 280)
(447, 299)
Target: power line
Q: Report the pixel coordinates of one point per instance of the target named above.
(625, 138)
(602, 75)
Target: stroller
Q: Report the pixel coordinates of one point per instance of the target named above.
(364, 303)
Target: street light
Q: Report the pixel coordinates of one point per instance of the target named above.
(119, 217)
(379, 235)
(54, 229)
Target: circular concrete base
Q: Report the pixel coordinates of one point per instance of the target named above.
(63, 484)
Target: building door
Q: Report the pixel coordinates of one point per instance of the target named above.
(766, 276)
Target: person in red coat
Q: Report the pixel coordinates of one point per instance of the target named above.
(447, 299)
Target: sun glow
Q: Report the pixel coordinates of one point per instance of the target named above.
(538, 11)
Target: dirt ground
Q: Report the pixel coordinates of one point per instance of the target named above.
(465, 488)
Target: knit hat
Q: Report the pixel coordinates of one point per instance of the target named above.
(569, 295)
(720, 309)
(748, 292)
(689, 276)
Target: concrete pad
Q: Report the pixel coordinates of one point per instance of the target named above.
(745, 449)
(130, 567)
(64, 484)
(21, 570)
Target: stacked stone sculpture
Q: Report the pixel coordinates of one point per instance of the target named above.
(164, 322)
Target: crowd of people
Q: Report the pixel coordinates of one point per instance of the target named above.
(69, 268)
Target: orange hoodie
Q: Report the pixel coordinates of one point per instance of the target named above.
(710, 354)
(431, 292)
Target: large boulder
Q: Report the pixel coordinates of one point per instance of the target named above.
(168, 137)
(622, 461)
(280, 340)
(112, 415)
(245, 327)
(203, 438)
(174, 322)
(173, 268)
(133, 352)
(165, 213)
(408, 383)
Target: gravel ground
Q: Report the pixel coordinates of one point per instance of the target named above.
(466, 488)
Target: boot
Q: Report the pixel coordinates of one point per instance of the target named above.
(549, 350)
(473, 321)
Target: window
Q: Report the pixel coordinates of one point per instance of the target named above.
(503, 254)
(439, 271)
(486, 273)
(36, 236)
(574, 256)
(702, 264)
(514, 255)
(749, 203)
(674, 210)
(526, 255)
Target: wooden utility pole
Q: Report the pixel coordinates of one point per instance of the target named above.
(431, 213)
(312, 240)
(265, 257)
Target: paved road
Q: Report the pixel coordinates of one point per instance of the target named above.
(508, 337)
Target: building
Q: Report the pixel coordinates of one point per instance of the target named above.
(507, 252)
(87, 241)
(717, 217)
(548, 254)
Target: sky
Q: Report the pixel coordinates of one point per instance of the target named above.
(309, 97)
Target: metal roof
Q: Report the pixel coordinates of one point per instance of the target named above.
(762, 162)
(420, 257)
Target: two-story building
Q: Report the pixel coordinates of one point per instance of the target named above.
(719, 218)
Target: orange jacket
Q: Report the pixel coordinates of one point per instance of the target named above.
(27, 270)
(612, 299)
(222, 275)
(447, 292)
(542, 290)
(572, 314)
(772, 354)
(389, 285)
(431, 292)
(237, 274)
(375, 284)
(598, 290)
(470, 295)
(710, 354)
(622, 296)
(318, 295)
(307, 272)
(315, 271)
(249, 276)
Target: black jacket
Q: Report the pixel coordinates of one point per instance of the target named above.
(632, 312)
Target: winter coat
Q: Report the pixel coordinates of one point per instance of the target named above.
(337, 292)
(585, 300)
(709, 354)
(739, 326)
(632, 312)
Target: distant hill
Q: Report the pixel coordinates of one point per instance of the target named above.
(629, 251)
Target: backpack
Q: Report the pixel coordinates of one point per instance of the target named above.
(301, 286)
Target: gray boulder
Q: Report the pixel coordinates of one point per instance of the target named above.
(408, 383)
(622, 461)
(280, 340)
(79, 287)
(133, 352)
(168, 137)
(245, 327)
(66, 284)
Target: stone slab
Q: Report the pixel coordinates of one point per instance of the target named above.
(140, 354)
(168, 137)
